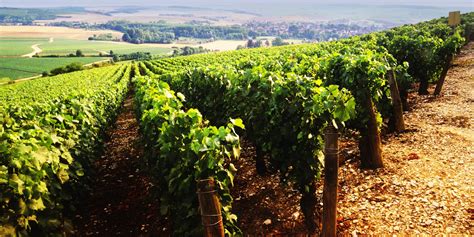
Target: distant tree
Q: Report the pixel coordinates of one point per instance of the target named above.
(76, 66)
(250, 43)
(45, 74)
(293, 30)
(79, 53)
(111, 52)
(278, 42)
(176, 52)
(254, 43)
(188, 50)
(126, 37)
(58, 70)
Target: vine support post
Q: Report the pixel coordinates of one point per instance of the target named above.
(397, 102)
(439, 84)
(331, 166)
(210, 207)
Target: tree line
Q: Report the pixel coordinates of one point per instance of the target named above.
(160, 32)
(163, 32)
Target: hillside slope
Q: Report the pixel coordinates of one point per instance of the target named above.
(426, 186)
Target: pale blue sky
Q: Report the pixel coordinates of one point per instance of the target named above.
(31, 3)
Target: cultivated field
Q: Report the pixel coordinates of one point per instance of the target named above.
(50, 31)
(220, 45)
(15, 68)
(21, 46)
(18, 46)
(67, 46)
(17, 41)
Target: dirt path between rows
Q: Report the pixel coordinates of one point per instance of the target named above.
(121, 203)
(427, 186)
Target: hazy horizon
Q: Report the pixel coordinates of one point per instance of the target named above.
(397, 12)
(228, 3)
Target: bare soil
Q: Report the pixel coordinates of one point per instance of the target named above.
(121, 203)
(426, 186)
(263, 204)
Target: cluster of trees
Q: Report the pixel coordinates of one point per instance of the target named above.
(73, 24)
(130, 56)
(78, 53)
(72, 67)
(254, 43)
(310, 31)
(160, 32)
(23, 20)
(139, 36)
(187, 50)
(104, 37)
(27, 16)
(279, 42)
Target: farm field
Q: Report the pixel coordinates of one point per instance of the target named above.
(90, 47)
(18, 46)
(17, 41)
(52, 31)
(15, 68)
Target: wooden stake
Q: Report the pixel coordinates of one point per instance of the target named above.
(397, 102)
(210, 208)
(331, 166)
(454, 18)
(439, 84)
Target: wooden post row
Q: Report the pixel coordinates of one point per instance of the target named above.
(210, 207)
(331, 166)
